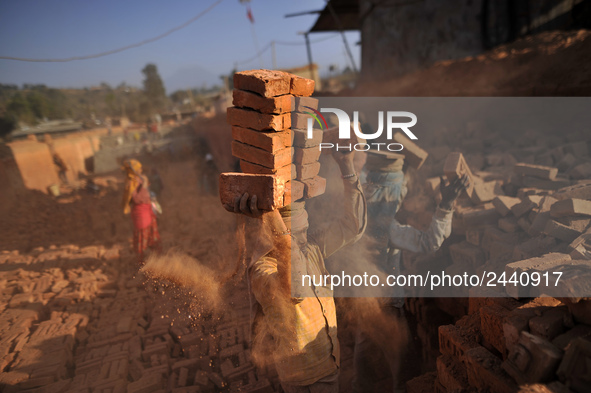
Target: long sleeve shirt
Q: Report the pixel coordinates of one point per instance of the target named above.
(304, 327)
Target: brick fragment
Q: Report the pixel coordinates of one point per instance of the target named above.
(509, 224)
(455, 166)
(261, 157)
(275, 105)
(479, 216)
(539, 171)
(258, 121)
(542, 216)
(454, 342)
(551, 323)
(269, 189)
(301, 87)
(485, 191)
(268, 141)
(503, 204)
(533, 359)
(146, 384)
(314, 187)
(305, 156)
(307, 171)
(571, 207)
(267, 83)
(413, 154)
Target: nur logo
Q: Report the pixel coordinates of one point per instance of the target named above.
(392, 123)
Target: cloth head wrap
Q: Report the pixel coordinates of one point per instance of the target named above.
(132, 180)
(295, 216)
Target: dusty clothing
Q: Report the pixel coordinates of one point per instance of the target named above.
(307, 350)
(329, 384)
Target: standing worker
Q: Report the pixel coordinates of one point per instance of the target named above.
(385, 189)
(136, 199)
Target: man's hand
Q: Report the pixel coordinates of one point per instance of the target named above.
(451, 191)
(344, 159)
(244, 206)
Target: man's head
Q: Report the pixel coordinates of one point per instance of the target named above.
(296, 220)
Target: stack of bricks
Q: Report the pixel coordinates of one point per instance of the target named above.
(279, 164)
(533, 216)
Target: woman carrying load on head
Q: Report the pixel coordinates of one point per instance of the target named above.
(136, 199)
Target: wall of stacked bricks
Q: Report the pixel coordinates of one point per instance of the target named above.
(72, 319)
(523, 216)
(268, 130)
(29, 163)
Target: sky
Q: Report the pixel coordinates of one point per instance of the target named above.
(196, 55)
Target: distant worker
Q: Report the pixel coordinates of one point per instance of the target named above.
(61, 168)
(156, 185)
(209, 176)
(136, 199)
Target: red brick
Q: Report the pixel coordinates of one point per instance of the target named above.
(413, 154)
(267, 83)
(451, 373)
(305, 156)
(146, 384)
(509, 224)
(530, 265)
(258, 121)
(268, 141)
(301, 87)
(307, 171)
(560, 231)
(485, 191)
(314, 187)
(455, 166)
(582, 171)
(485, 372)
(539, 171)
(526, 205)
(286, 173)
(299, 104)
(571, 207)
(454, 342)
(542, 216)
(574, 369)
(533, 359)
(294, 191)
(300, 121)
(277, 105)
(551, 323)
(300, 138)
(491, 321)
(261, 157)
(479, 216)
(268, 189)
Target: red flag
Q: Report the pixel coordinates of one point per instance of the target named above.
(249, 14)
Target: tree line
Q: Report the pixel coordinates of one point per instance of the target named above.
(32, 104)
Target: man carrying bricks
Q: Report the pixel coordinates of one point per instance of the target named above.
(301, 320)
(385, 188)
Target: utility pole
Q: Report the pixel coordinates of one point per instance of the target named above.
(309, 50)
(273, 55)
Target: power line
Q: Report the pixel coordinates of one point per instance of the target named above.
(187, 23)
(288, 43)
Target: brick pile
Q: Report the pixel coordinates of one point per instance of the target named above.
(75, 319)
(269, 138)
(530, 216)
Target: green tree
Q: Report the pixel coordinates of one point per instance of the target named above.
(153, 90)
